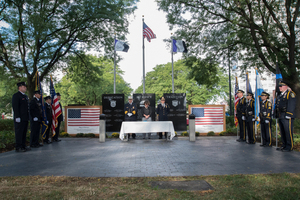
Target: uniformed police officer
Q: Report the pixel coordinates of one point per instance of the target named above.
(265, 120)
(285, 110)
(241, 115)
(21, 117)
(130, 111)
(162, 112)
(250, 118)
(35, 111)
(49, 118)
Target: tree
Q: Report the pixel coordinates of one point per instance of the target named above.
(264, 32)
(87, 78)
(159, 81)
(38, 34)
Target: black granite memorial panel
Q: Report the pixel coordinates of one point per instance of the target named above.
(113, 108)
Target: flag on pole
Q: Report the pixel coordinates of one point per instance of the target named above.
(179, 46)
(44, 125)
(121, 46)
(148, 33)
(248, 86)
(258, 91)
(56, 111)
(277, 91)
(236, 100)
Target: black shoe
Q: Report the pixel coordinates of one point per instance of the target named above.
(160, 138)
(268, 145)
(34, 146)
(262, 145)
(286, 150)
(20, 150)
(40, 145)
(239, 140)
(279, 148)
(27, 148)
(149, 138)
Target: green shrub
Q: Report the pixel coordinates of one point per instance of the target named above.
(6, 137)
(210, 133)
(115, 135)
(175, 134)
(184, 133)
(79, 135)
(197, 133)
(297, 141)
(7, 124)
(92, 135)
(64, 134)
(229, 121)
(297, 125)
(222, 133)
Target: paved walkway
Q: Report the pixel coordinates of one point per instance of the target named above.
(86, 157)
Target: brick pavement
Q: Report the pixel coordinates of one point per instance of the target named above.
(86, 157)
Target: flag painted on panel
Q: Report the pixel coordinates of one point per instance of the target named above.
(148, 33)
(56, 111)
(258, 91)
(44, 117)
(121, 46)
(208, 116)
(83, 117)
(179, 46)
(248, 86)
(236, 100)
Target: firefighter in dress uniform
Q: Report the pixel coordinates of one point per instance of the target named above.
(285, 111)
(130, 114)
(241, 115)
(162, 112)
(250, 118)
(35, 111)
(265, 120)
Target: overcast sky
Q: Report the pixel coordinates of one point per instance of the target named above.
(156, 51)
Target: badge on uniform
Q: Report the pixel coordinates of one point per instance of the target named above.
(292, 95)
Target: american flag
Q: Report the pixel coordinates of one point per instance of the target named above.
(236, 100)
(56, 111)
(148, 33)
(208, 116)
(83, 117)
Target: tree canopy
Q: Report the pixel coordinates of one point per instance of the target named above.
(87, 78)
(159, 81)
(38, 35)
(259, 33)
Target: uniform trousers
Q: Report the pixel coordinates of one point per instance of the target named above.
(55, 137)
(286, 131)
(250, 130)
(48, 132)
(20, 134)
(35, 128)
(266, 133)
(242, 125)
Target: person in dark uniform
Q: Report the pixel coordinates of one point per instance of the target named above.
(265, 120)
(285, 110)
(60, 118)
(250, 118)
(21, 117)
(241, 115)
(162, 112)
(35, 111)
(130, 111)
(49, 118)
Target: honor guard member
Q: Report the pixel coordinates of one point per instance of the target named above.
(21, 117)
(130, 113)
(60, 118)
(241, 115)
(162, 112)
(285, 110)
(49, 118)
(265, 120)
(250, 118)
(35, 111)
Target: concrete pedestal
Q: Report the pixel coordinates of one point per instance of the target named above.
(102, 128)
(192, 134)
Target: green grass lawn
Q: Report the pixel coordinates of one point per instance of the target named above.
(259, 186)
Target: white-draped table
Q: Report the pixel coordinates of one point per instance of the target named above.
(146, 127)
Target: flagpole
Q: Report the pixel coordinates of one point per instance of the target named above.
(114, 66)
(172, 64)
(143, 58)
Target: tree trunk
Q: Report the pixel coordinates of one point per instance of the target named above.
(30, 88)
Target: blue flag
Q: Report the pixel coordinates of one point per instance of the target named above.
(44, 118)
(179, 46)
(121, 46)
(258, 91)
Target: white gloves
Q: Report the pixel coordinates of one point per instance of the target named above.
(35, 119)
(253, 119)
(266, 121)
(287, 117)
(47, 122)
(18, 119)
(129, 114)
(243, 118)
